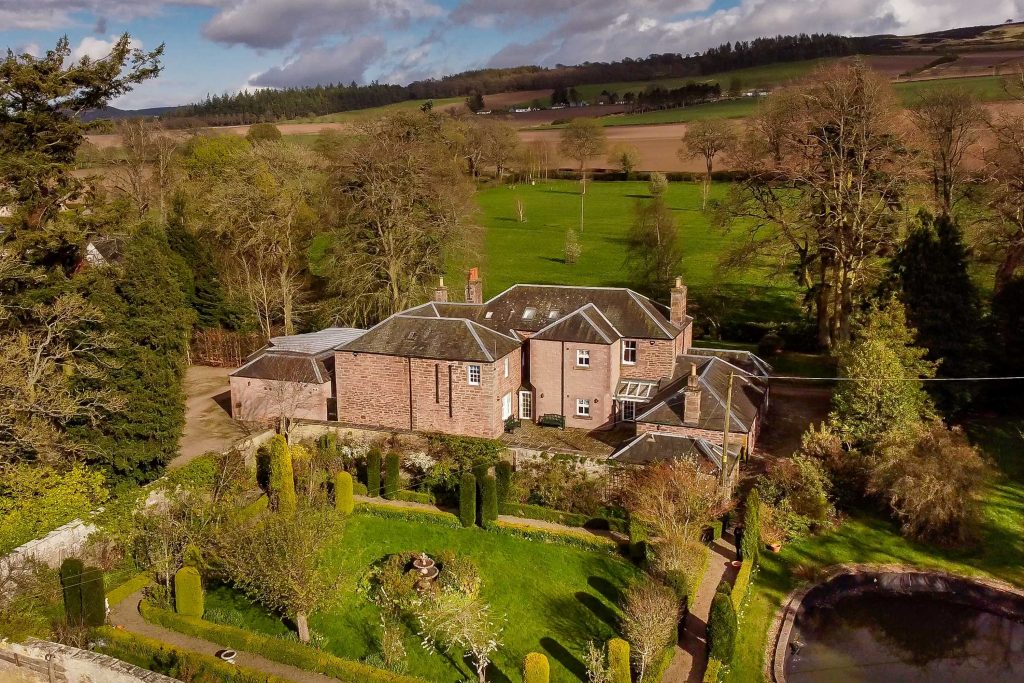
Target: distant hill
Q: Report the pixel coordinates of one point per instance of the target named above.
(115, 114)
(276, 105)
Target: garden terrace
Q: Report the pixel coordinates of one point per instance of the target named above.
(576, 602)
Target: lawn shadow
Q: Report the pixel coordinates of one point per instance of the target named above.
(567, 659)
(638, 196)
(605, 587)
(600, 610)
(496, 675)
(572, 192)
(552, 259)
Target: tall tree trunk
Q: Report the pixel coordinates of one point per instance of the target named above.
(1011, 262)
(822, 298)
(302, 624)
(286, 302)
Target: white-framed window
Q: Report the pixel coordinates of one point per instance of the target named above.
(525, 405)
(582, 358)
(473, 374)
(583, 407)
(629, 352)
(506, 366)
(506, 406)
(628, 411)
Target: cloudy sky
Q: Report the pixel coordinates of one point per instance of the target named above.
(215, 46)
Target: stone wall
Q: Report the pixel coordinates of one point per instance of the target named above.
(265, 400)
(655, 359)
(45, 662)
(63, 542)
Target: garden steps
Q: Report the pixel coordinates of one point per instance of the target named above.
(691, 658)
(520, 521)
(125, 615)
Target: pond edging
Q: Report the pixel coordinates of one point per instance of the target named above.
(785, 616)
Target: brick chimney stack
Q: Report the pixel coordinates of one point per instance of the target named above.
(474, 287)
(678, 308)
(691, 397)
(441, 292)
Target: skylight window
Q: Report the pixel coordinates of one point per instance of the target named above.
(489, 314)
(530, 313)
(552, 315)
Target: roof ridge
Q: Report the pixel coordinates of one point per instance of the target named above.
(634, 295)
(721, 402)
(480, 343)
(592, 324)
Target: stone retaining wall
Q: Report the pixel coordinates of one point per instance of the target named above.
(45, 662)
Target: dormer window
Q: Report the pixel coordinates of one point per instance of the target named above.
(530, 313)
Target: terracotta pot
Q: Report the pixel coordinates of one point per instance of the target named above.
(775, 547)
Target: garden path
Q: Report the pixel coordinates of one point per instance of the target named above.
(691, 651)
(523, 521)
(126, 615)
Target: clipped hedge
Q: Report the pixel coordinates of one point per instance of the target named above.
(536, 668)
(713, 532)
(343, 501)
(721, 634)
(289, 652)
(741, 586)
(713, 672)
(253, 509)
(618, 661)
(392, 466)
(561, 517)
(415, 497)
(657, 671)
(489, 505)
(71, 571)
(188, 592)
(117, 595)
(408, 514)
(575, 539)
(94, 597)
(282, 477)
(359, 488)
(503, 476)
(168, 660)
(373, 473)
(750, 546)
(467, 500)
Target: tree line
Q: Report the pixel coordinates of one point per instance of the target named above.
(276, 105)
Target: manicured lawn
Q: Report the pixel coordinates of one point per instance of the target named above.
(533, 251)
(866, 538)
(554, 598)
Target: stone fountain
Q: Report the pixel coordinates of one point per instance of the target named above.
(426, 569)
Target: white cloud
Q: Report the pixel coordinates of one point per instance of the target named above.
(332, 64)
(55, 14)
(97, 48)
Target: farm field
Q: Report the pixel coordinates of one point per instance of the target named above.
(359, 114)
(865, 537)
(533, 251)
(576, 602)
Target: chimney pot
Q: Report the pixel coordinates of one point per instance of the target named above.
(474, 287)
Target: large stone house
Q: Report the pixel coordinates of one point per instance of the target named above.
(591, 357)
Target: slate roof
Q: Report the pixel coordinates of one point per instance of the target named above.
(317, 343)
(585, 325)
(748, 395)
(660, 447)
(285, 366)
(439, 338)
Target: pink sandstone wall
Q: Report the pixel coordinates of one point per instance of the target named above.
(257, 400)
(597, 383)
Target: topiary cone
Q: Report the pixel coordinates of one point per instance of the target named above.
(536, 668)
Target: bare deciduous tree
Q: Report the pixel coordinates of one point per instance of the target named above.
(1005, 228)
(675, 500)
(581, 141)
(653, 250)
(707, 139)
(949, 122)
(459, 622)
(650, 614)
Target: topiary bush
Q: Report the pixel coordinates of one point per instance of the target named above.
(391, 475)
(618, 661)
(188, 592)
(373, 473)
(343, 501)
(71, 571)
(536, 668)
(467, 500)
(503, 475)
(722, 628)
(282, 477)
(94, 597)
(327, 444)
(489, 491)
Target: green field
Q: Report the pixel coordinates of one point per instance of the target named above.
(533, 251)
(982, 88)
(358, 114)
(575, 602)
(866, 538)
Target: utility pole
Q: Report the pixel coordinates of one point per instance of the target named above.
(725, 434)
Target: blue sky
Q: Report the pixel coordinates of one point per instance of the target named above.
(215, 46)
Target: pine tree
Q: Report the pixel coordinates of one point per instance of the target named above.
(942, 303)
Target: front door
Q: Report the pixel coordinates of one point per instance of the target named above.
(628, 411)
(525, 405)
(506, 406)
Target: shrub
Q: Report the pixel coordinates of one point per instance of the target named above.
(416, 497)
(188, 592)
(489, 491)
(71, 571)
(713, 531)
(722, 628)
(359, 488)
(503, 475)
(392, 463)
(560, 516)
(459, 573)
(770, 345)
(94, 597)
(282, 477)
(575, 539)
(536, 668)
(714, 670)
(327, 444)
(343, 502)
(679, 582)
(467, 500)
(742, 585)
(750, 546)
(263, 132)
(413, 515)
(618, 661)
(373, 473)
